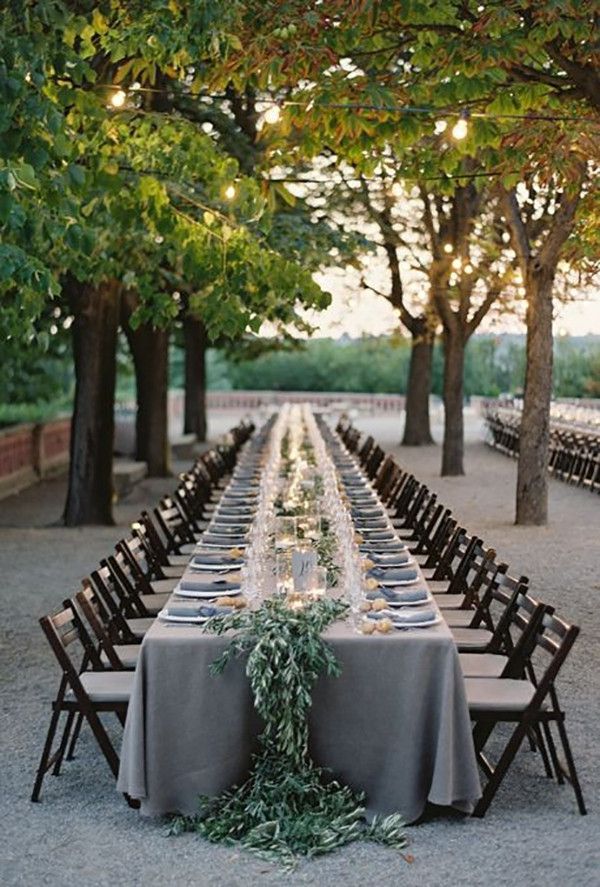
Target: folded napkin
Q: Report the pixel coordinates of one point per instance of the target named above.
(221, 525)
(372, 523)
(392, 546)
(390, 560)
(371, 512)
(217, 560)
(206, 610)
(240, 520)
(374, 533)
(404, 617)
(354, 481)
(239, 496)
(217, 585)
(394, 596)
(393, 574)
(232, 539)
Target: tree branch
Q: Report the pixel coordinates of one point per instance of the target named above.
(517, 230)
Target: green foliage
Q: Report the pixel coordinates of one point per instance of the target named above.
(493, 365)
(378, 365)
(37, 380)
(288, 807)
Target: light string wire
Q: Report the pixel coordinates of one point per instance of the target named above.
(311, 104)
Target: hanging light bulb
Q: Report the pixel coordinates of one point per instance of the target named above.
(460, 129)
(468, 268)
(118, 98)
(448, 248)
(456, 263)
(440, 127)
(272, 114)
(230, 192)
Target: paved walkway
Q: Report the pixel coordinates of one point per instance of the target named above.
(82, 832)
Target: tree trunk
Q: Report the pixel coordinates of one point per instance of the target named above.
(194, 334)
(417, 428)
(532, 476)
(96, 313)
(150, 350)
(454, 442)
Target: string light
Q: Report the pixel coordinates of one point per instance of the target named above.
(448, 248)
(440, 127)
(397, 190)
(456, 264)
(230, 192)
(468, 269)
(272, 114)
(460, 129)
(118, 98)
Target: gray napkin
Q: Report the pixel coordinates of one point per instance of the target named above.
(398, 597)
(239, 496)
(378, 534)
(217, 560)
(224, 529)
(391, 547)
(232, 540)
(237, 520)
(393, 574)
(367, 513)
(405, 618)
(218, 585)
(353, 481)
(202, 610)
(389, 561)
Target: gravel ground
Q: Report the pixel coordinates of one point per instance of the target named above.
(82, 832)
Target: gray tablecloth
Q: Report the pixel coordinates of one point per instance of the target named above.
(395, 724)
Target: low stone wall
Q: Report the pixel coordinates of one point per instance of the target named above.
(31, 452)
(251, 400)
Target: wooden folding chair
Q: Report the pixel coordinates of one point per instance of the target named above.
(528, 706)
(85, 693)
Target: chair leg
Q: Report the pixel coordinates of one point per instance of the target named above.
(63, 744)
(43, 766)
(104, 742)
(537, 742)
(75, 737)
(555, 762)
(500, 770)
(573, 778)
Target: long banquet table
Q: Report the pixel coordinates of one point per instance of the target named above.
(394, 725)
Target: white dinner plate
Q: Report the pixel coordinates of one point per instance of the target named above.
(225, 546)
(393, 566)
(391, 583)
(426, 624)
(197, 593)
(212, 568)
(403, 625)
(195, 620)
(421, 602)
(363, 529)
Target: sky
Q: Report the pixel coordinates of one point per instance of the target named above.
(355, 311)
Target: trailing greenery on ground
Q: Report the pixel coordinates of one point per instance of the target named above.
(288, 807)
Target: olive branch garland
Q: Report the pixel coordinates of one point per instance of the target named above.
(288, 807)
